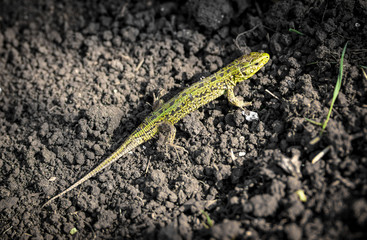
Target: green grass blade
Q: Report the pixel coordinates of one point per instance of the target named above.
(208, 219)
(313, 121)
(337, 88)
(295, 31)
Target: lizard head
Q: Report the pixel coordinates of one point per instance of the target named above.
(251, 63)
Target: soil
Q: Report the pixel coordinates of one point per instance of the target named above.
(77, 78)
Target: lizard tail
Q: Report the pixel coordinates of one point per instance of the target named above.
(126, 147)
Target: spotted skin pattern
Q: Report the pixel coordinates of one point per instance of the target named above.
(190, 99)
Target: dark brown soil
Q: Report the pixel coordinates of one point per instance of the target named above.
(77, 77)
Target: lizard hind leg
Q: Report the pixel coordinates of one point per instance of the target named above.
(157, 101)
(167, 127)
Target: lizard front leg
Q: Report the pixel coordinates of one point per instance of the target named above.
(233, 99)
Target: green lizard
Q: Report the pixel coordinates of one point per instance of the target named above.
(165, 115)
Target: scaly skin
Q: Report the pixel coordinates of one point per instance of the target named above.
(190, 99)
